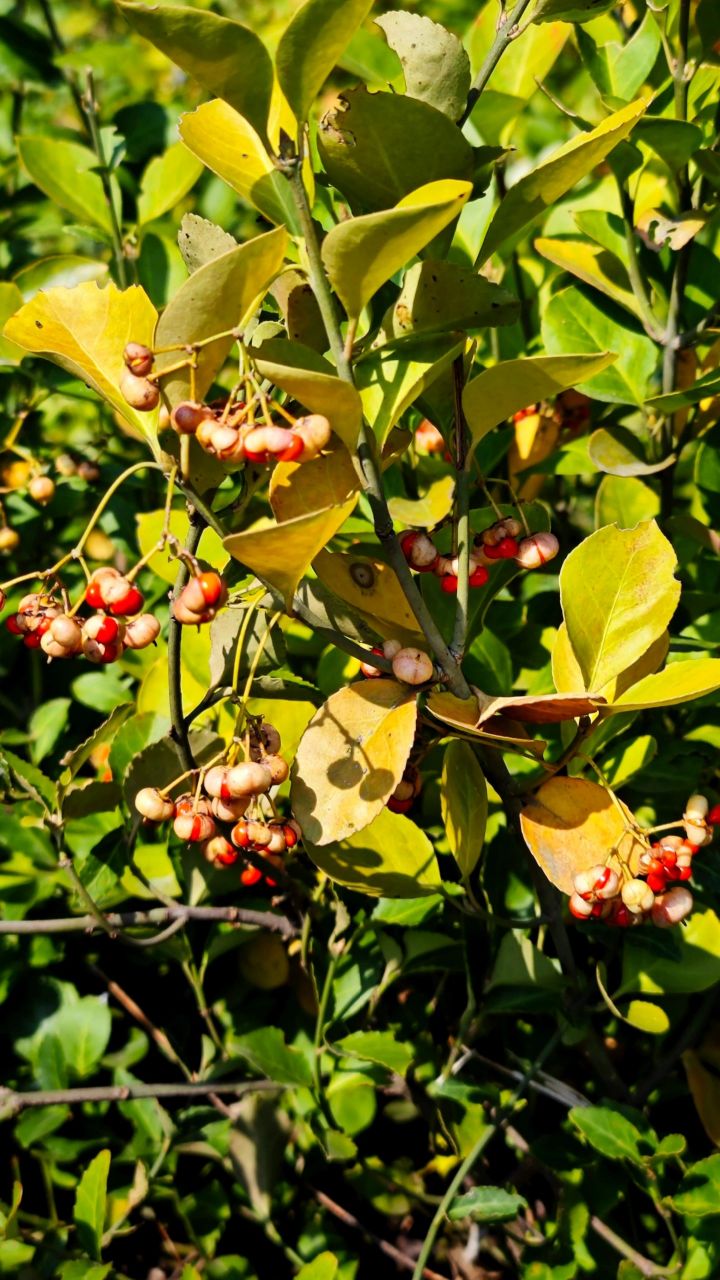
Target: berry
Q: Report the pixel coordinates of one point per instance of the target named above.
(637, 896)
(262, 442)
(187, 416)
(193, 827)
(536, 550)
(9, 539)
(672, 907)
(419, 550)
(579, 908)
(250, 876)
(713, 817)
(138, 358)
(11, 625)
(428, 438)
(291, 836)
(449, 584)
(122, 597)
(239, 834)
(213, 588)
(412, 666)
(505, 549)
(229, 810)
(220, 852)
(139, 393)
(155, 806)
(368, 670)
(657, 881)
(142, 631)
(314, 431)
(95, 587)
(479, 576)
(696, 808)
(41, 489)
(277, 842)
(63, 637)
(293, 451)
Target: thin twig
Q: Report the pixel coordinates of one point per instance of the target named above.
(179, 731)
(12, 1102)
(240, 916)
(506, 32)
(390, 1250)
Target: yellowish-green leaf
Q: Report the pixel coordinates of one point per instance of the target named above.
(570, 825)
(351, 758)
(391, 858)
(227, 143)
(464, 803)
(617, 451)
(149, 527)
(323, 1267)
(219, 296)
(648, 1017)
(593, 264)
(90, 1203)
(64, 171)
(568, 678)
(618, 594)
(312, 44)
(505, 388)
(438, 296)
(85, 331)
(624, 501)
(524, 62)
(11, 301)
(309, 378)
(362, 253)
(434, 62)
(226, 58)
(552, 179)
(692, 965)
(427, 510)
(680, 682)
(166, 180)
(393, 377)
(297, 489)
(279, 554)
(370, 586)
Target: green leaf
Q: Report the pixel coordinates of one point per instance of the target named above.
(546, 184)
(149, 526)
(609, 1132)
(323, 1267)
(230, 147)
(81, 1270)
(46, 725)
(74, 760)
(351, 758)
(378, 147)
(592, 264)
(392, 858)
(307, 377)
(377, 1046)
(92, 797)
(505, 388)
(464, 802)
(437, 296)
(268, 1054)
(699, 1193)
(226, 58)
(90, 1202)
(362, 253)
(166, 180)
(572, 321)
(65, 172)
(11, 300)
(704, 389)
(391, 379)
(523, 63)
(618, 452)
(521, 964)
(687, 962)
(618, 593)
(200, 240)
(570, 10)
(679, 682)
(30, 779)
(487, 1204)
(675, 141)
(162, 762)
(621, 69)
(83, 1030)
(311, 46)
(624, 501)
(435, 64)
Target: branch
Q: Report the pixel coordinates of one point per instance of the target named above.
(349, 1219)
(506, 32)
(179, 732)
(12, 1102)
(461, 515)
(157, 915)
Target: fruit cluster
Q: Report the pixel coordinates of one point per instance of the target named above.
(411, 666)
(223, 816)
(500, 541)
(601, 893)
(44, 622)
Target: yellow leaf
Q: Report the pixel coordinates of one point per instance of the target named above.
(351, 758)
(427, 510)
(362, 253)
(279, 554)
(568, 677)
(370, 586)
(297, 489)
(570, 825)
(309, 378)
(680, 682)
(535, 438)
(149, 527)
(592, 264)
(505, 388)
(499, 731)
(85, 331)
(391, 858)
(219, 296)
(391, 379)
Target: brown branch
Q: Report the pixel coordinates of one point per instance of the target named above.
(12, 1102)
(158, 915)
(399, 1258)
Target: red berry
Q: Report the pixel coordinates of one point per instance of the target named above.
(93, 595)
(12, 626)
(449, 584)
(250, 875)
(682, 873)
(290, 836)
(479, 576)
(293, 451)
(258, 458)
(107, 632)
(399, 806)
(713, 817)
(129, 604)
(32, 640)
(212, 587)
(657, 881)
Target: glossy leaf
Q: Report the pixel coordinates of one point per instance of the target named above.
(487, 1204)
(311, 46)
(699, 1193)
(523, 63)
(228, 145)
(427, 510)
(618, 593)
(505, 388)
(351, 758)
(371, 587)
(279, 554)
(378, 147)
(362, 253)
(618, 452)
(311, 380)
(593, 265)
(65, 172)
(679, 682)
(434, 62)
(266, 1052)
(298, 488)
(149, 526)
(391, 858)
(226, 58)
(574, 322)
(464, 803)
(620, 69)
(217, 297)
(166, 180)
(610, 1132)
(437, 296)
(90, 1202)
(570, 825)
(381, 1047)
(85, 331)
(323, 1267)
(391, 379)
(550, 181)
(568, 677)
(625, 501)
(11, 301)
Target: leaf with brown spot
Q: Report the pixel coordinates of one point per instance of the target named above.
(351, 758)
(371, 587)
(571, 824)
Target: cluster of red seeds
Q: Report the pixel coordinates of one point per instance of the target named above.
(500, 541)
(655, 893)
(217, 820)
(43, 622)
